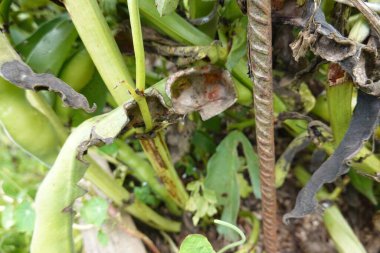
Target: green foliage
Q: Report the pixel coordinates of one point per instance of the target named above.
(16, 194)
(222, 176)
(239, 42)
(196, 244)
(202, 201)
(166, 7)
(94, 211)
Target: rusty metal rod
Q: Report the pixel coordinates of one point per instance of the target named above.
(260, 60)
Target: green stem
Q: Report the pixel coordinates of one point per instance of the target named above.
(143, 171)
(138, 46)
(237, 230)
(339, 98)
(120, 196)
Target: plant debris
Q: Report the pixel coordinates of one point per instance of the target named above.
(364, 121)
(360, 61)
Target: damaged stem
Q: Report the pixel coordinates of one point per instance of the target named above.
(260, 59)
(99, 42)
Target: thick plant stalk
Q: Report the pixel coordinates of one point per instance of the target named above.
(260, 56)
(98, 40)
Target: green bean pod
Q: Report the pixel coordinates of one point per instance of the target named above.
(25, 125)
(77, 72)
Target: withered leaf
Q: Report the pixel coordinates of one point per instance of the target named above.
(14, 70)
(365, 119)
(208, 90)
(22, 76)
(361, 61)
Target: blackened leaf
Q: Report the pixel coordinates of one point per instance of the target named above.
(364, 121)
(14, 70)
(284, 162)
(360, 61)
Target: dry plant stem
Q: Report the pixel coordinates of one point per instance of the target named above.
(260, 59)
(371, 16)
(159, 156)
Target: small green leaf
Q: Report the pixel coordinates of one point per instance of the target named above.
(166, 7)
(24, 217)
(202, 201)
(196, 244)
(94, 211)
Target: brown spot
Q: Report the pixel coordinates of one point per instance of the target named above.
(336, 74)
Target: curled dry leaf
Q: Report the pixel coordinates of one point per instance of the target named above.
(208, 90)
(284, 162)
(361, 61)
(364, 121)
(14, 70)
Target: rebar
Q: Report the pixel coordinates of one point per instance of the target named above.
(260, 60)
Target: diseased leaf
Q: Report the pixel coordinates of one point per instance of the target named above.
(14, 70)
(166, 7)
(284, 162)
(364, 120)
(196, 244)
(207, 90)
(359, 60)
(222, 173)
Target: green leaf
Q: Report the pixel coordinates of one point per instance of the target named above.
(196, 244)
(24, 217)
(203, 145)
(47, 49)
(340, 231)
(56, 194)
(94, 211)
(166, 7)
(244, 188)
(202, 201)
(222, 172)
(239, 43)
(145, 195)
(363, 185)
